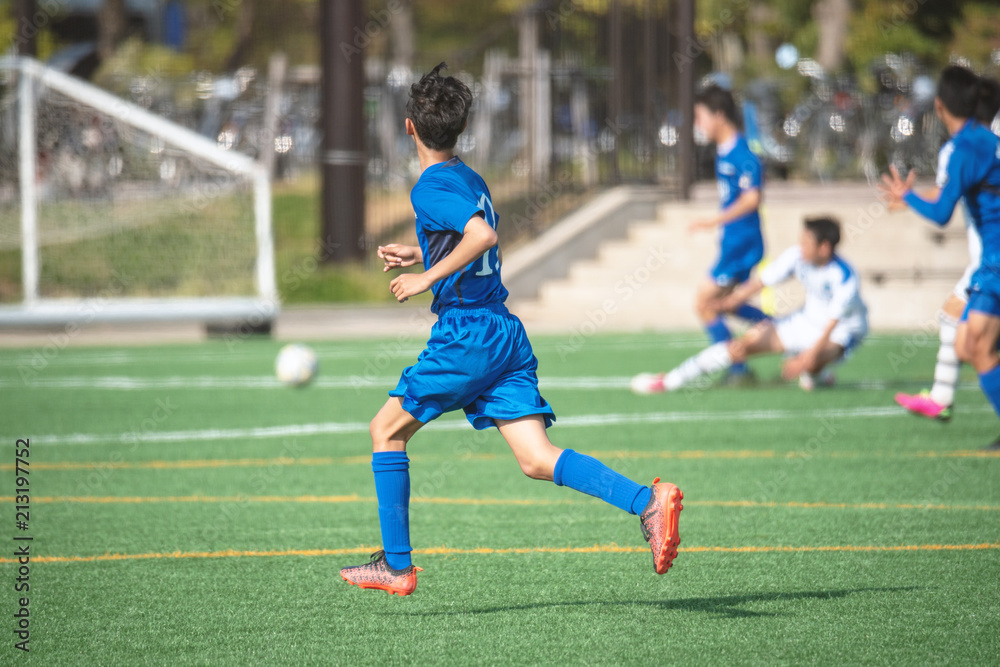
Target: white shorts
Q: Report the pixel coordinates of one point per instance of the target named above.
(962, 286)
(798, 334)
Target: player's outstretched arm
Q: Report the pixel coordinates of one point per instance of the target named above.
(894, 187)
(741, 294)
(938, 210)
(477, 238)
(397, 255)
(746, 203)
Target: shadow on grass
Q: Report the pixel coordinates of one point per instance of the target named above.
(728, 606)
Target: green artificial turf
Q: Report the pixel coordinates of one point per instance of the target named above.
(246, 498)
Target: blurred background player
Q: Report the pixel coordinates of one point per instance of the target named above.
(478, 358)
(937, 403)
(739, 176)
(830, 324)
(972, 172)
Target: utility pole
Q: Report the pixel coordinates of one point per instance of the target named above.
(343, 160)
(25, 30)
(649, 127)
(685, 34)
(617, 85)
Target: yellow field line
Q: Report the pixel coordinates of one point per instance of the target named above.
(354, 498)
(449, 551)
(366, 459)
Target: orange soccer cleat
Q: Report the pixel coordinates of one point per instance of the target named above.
(377, 574)
(659, 523)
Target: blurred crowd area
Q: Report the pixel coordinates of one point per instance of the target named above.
(570, 95)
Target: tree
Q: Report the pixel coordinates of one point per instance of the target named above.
(832, 18)
(112, 23)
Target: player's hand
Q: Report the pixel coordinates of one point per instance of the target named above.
(725, 304)
(701, 224)
(409, 284)
(894, 187)
(797, 365)
(397, 255)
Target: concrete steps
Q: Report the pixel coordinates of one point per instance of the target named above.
(647, 279)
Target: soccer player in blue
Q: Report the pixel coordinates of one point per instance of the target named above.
(973, 173)
(740, 179)
(478, 357)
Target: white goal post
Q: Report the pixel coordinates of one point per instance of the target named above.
(117, 214)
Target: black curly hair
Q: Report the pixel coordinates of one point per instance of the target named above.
(439, 108)
(825, 230)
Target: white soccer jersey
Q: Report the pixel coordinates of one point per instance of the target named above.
(832, 291)
(972, 235)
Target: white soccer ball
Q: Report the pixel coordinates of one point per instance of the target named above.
(296, 365)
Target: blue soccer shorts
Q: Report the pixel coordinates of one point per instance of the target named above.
(479, 360)
(984, 293)
(736, 261)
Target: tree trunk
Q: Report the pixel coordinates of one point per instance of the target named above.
(403, 35)
(244, 36)
(832, 18)
(112, 23)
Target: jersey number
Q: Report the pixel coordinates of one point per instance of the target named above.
(491, 220)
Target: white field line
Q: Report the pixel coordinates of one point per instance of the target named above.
(124, 382)
(401, 352)
(397, 350)
(451, 424)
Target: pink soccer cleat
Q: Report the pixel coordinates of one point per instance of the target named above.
(922, 404)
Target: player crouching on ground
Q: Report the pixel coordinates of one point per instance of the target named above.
(830, 324)
(478, 358)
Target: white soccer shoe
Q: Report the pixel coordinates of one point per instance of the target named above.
(648, 383)
(808, 381)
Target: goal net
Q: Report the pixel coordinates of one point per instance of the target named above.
(111, 213)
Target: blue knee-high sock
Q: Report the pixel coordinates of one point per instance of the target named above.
(990, 382)
(751, 313)
(588, 475)
(392, 487)
(718, 332)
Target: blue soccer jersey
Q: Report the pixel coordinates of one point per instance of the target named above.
(972, 171)
(741, 244)
(445, 198)
(737, 171)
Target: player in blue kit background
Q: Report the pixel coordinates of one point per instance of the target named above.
(478, 357)
(937, 402)
(740, 179)
(973, 173)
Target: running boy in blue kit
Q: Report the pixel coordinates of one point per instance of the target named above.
(478, 357)
(972, 173)
(740, 179)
